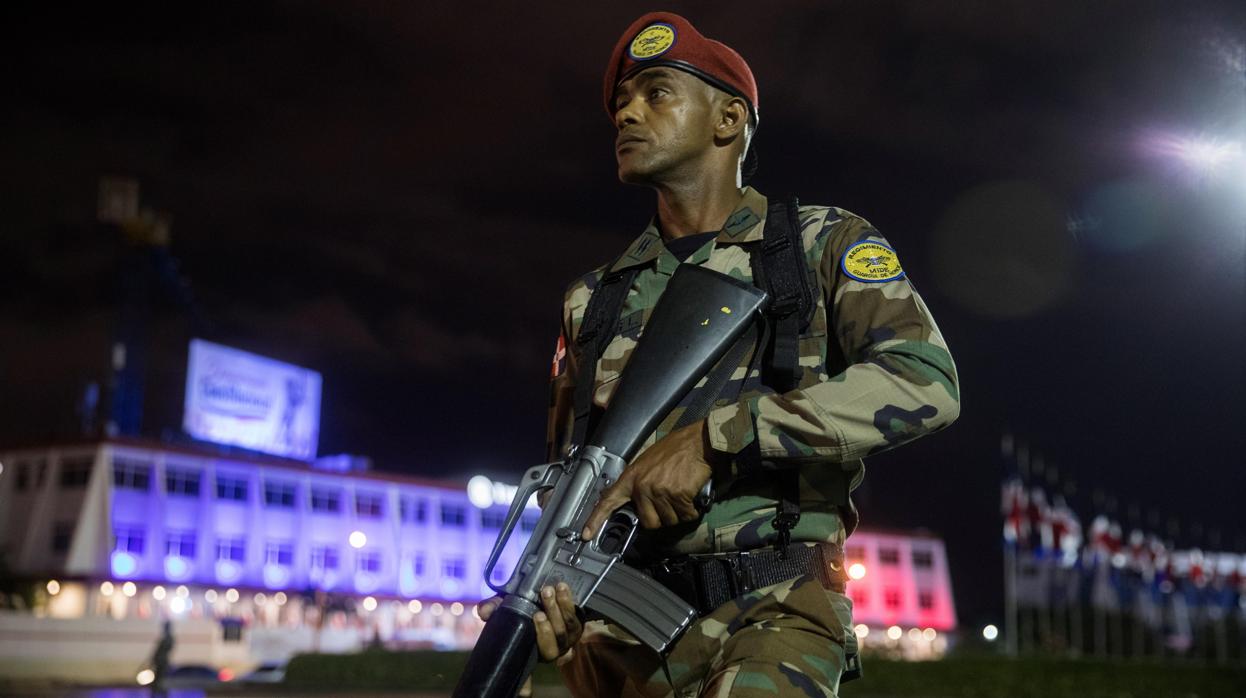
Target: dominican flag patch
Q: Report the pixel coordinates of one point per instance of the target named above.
(559, 363)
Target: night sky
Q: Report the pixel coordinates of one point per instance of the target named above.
(397, 194)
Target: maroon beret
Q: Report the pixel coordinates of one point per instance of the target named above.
(665, 38)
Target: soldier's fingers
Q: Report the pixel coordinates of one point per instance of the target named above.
(526, 690)
(566, 604)
(546, 643)
(686, 509)
(647, 514)
(554, 614)
(666, 512)
(613, 498)
(566, 657)
(486, 608)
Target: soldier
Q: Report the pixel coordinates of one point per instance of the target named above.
(783, 441)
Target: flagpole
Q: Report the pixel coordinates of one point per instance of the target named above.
(1010, 599)
(1010, 562)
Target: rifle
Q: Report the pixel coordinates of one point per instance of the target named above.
(700, 315)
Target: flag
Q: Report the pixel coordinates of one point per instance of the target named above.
(1014, 504)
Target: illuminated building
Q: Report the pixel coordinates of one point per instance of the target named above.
(901, 592)
(192, 534)
(255, 552)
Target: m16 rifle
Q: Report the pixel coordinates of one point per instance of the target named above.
(700, 315)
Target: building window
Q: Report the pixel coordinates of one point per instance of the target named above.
(181, 483)
(131, 474)
(279, 494)
(889, 556)
(22, 476)
(492, 518)
(923, 559)
(180, 544)
(368, 505)
(859, 596)
(454, 568)
(925, 600)
(528, 522)
(231, 549)
(324, 557)
(417, 564)
(76, 472)
(369, 562)
(232, 488)
(62, 534)
(854, 553)
(452, 515)
(326, 501)
(231, 630)
(279, 553)
(129, 539)
(413, 509)
(891, 598)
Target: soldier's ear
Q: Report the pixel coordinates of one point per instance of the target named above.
(732, 117)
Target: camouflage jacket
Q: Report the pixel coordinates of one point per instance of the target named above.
(874, 373)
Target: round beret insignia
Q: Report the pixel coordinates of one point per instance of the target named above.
(652, 41)
(871, 262)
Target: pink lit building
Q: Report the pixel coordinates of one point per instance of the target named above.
(901, 591)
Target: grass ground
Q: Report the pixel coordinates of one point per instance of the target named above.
(977, 676)
(432, 675)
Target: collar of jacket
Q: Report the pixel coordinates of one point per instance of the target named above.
(745, 224)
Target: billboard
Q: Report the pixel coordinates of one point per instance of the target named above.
(240, 399)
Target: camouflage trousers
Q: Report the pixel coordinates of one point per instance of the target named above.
(788, 639)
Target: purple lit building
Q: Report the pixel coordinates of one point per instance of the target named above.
(135, 529)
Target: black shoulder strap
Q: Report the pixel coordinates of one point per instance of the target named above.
(601, 320)
(780, 268)
(786, 278)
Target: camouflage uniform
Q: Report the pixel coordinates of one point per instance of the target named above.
(885, 379)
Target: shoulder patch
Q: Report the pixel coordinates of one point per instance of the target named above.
(560, 358)
(653, 41)
(871, 262)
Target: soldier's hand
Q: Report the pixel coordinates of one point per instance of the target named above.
(558, 627)
(663, 482)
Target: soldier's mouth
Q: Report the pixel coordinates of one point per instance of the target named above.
(624, 141)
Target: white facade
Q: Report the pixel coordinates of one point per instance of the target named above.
(139, 531)
(123, 510)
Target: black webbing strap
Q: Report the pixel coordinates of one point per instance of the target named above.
(780, 268)
(703, 398)
(601, 320)
(786, 279)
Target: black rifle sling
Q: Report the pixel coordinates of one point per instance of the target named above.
(786, 279)
(601, 321)
(703, 398)
(780, 268)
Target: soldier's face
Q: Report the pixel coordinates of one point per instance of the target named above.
(665, 119)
